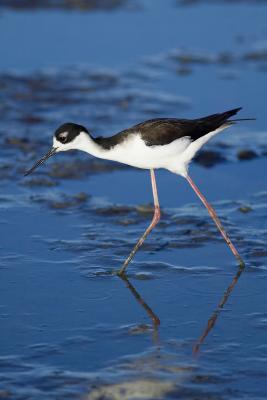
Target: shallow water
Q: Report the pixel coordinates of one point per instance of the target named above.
(70, 327)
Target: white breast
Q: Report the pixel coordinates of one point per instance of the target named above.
(133, 151)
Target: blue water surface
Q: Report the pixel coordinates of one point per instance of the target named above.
(70, 327)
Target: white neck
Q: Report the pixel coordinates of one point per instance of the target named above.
(85, 143)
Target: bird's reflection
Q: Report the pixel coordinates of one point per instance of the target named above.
(212, 320)
(154, 318)
(210, 324)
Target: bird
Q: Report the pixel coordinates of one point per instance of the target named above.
(168, 143)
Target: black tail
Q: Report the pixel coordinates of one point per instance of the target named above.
(227, 114)
(223, 118)
(211, 123)
(220, 118)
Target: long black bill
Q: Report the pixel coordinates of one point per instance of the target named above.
(51, 152)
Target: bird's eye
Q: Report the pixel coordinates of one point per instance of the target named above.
(63, 137)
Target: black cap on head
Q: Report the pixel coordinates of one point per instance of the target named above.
(66, 133)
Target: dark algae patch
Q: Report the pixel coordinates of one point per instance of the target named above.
(208, 158)
(246, 155)
(82, 5)
(81, 168)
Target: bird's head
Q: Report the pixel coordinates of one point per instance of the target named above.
(68, 136)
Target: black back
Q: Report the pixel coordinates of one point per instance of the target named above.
(162, 131)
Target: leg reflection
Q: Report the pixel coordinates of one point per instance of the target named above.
(214, 316)
(154, 318)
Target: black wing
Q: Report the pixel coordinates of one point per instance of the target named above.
(112, 141)
(163, 131)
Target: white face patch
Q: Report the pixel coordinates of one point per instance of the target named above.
(77, 143)
(59, 146)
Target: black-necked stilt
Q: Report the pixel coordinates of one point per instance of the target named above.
(168, 143)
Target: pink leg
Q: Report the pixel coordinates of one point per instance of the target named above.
(216, 220)
(153, 223)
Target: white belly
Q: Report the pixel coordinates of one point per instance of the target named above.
(133, 151)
